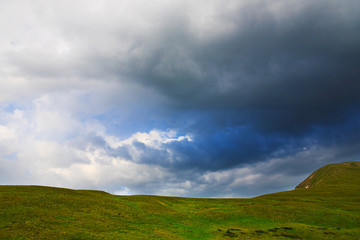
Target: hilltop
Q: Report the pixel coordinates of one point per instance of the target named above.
(347, 173)
(329, 209)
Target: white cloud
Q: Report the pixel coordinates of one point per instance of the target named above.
(47, 145)
(154, 139)
(43, 141)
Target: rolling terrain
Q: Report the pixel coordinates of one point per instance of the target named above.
(325, 206)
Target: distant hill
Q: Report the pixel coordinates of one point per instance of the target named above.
(347, 173)
(328, 209)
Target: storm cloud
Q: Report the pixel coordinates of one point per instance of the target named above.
(213, 98)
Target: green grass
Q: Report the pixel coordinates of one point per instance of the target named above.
(330, 210)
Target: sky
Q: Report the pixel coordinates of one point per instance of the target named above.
(206, 98)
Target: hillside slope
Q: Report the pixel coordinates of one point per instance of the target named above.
(321, 212)
(347, 173)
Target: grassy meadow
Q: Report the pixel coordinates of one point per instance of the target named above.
(328, 209)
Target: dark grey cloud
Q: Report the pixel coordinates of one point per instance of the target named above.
(288, 75)
(286, 69)
(264, 91)
(277, 62)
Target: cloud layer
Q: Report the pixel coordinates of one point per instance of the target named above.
(210, 98)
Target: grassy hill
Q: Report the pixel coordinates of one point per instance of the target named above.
(329, 209)
(334, 175)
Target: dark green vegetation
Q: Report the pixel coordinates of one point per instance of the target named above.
(329, 209)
